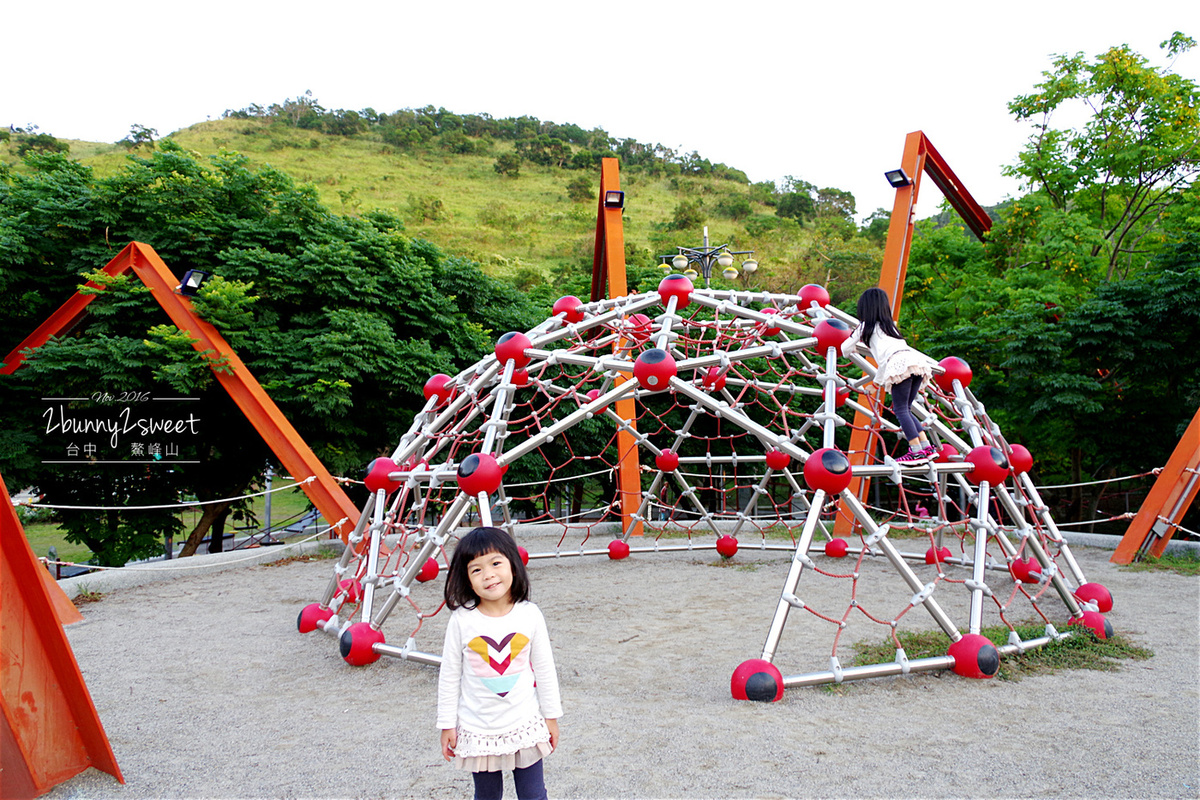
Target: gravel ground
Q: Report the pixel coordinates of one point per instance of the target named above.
(206, 690)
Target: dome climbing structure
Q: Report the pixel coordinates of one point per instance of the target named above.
(738, 412)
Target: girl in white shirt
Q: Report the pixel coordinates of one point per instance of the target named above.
(901, 370)
(498, 703)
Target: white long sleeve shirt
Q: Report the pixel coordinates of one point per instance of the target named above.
(497, 672)
(883, 348)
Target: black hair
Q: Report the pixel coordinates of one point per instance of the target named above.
(480, 542)
(875, 310)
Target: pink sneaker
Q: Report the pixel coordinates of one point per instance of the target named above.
(916, 456)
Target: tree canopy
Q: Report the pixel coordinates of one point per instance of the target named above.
(1079, 312)
(342, 319)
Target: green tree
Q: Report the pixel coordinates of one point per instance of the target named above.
(341, 319)
(508, 164)
(1100, 189)
(138, 135)
(580, 190)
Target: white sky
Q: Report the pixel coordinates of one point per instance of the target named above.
(822, 91)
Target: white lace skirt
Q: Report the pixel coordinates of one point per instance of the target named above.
(903, 365)
(521, 747)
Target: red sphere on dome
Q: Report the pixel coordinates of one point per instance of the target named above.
(757, 679)
(727, 546)
(429, 571)
(437, 385)
(520, 377)
(937, 556)
(570, 306)
(1021, 459)
(946, 452)
(639, 327)
(975, 656)
(511, 347)
(955, 369)
(1096, 621)
(590, 396)
(678, 286)
(617, 550)
(479, 472)
(377, 475)
(311, 617)
(843, 394)
(713, 380)
(831, 333)
(654, 369)
(777, 459)
(770, 331)
(667, 461)
(521, 551)
(990, 465)
(1026, 570)
(357, 644)
(837, 548)
(812, 292)
(827, 470)
(1095, 593)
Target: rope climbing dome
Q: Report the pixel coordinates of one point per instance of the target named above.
(739, 410)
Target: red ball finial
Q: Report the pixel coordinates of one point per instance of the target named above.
(479, 472)
(667, 461)
(438, 385)
(831, 333)
(654, 369)
(377, 475)
(678, 286)
(990, 465)
(570, 306)
(511, 347)
(955, 369)
(827, 470)
(1021, 459)
(810, 293)
(777, 459)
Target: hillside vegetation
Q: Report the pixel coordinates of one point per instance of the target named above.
(519, 196)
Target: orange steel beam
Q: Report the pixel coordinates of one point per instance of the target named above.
(49, 728)
(919, 157)
(1169, 499)
(608, 268)
(295, 455)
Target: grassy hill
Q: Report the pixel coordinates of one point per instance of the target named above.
(527, 228)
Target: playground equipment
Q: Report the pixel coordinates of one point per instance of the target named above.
(699, 418)
(742, 418)
(49, 728)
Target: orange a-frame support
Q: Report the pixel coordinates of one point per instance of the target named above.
(233, 375)
(49, 730)
(919, 157)
(608, 271)
(1169, 499)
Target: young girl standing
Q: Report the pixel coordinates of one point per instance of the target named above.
(498, 703)
(901, 370)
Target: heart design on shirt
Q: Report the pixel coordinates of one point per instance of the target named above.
(497, 657)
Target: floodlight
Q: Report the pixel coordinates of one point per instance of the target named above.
(614, 199)
(897, 178)
(192, 280)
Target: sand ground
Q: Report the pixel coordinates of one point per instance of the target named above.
(206, 690)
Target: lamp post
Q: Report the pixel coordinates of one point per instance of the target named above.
(699, 261)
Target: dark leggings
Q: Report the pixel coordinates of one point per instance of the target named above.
(904, 394)
(530, 784)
